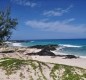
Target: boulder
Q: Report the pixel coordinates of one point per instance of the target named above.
(46, 52)
(70, 56)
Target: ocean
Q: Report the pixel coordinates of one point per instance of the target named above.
(67, 46)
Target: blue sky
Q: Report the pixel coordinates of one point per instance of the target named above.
(48, 19)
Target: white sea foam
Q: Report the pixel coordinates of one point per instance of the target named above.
(9, 43)
(13, 44)
(61, 53)
(31, 41)
(68, 45)
(82, 56)
(17, 44)
(59, 48)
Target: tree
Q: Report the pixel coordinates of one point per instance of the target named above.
(6, 25)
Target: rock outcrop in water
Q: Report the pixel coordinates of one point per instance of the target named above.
(43, 52)
(46, 51)
(47, 47)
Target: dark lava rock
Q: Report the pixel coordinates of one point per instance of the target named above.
(70, 56)
(43, 52)
(48, 47)
(46, 52)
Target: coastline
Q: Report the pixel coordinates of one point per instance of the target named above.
(79, 62)
(18, 44)
(17, 65)
(21, 53)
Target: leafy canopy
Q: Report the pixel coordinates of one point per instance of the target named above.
(6, 25)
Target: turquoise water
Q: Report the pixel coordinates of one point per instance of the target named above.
(69, 46)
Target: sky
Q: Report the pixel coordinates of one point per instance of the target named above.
(47, 19)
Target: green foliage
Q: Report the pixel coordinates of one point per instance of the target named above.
(33, 65)
(69, 75)
(84, 75)
(52, 74)
(69, 72)
(40, 68)
(57, 71)
(6, 25)
(11, 64)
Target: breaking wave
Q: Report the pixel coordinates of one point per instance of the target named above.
(68, 45)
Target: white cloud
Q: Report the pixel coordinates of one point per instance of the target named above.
(30, 4)
(64, 26)
(57, 12)
(25, 3)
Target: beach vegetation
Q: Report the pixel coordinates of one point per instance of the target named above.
(84, 75)
(7, 24)
(56, 71)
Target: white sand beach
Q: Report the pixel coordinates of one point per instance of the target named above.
(21, 54)
(27, 72)
(79, 62)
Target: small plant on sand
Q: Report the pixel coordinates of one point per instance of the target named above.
(52, 73)
(11, 64)
(84, 75)
(69, 74)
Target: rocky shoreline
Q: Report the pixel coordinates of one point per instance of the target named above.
(43, 53)
(46, 50)
(43, 50)
(39, 63)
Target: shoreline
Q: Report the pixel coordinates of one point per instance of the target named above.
(45, 53)
(20, 53)
(60, 53)
(79, 62)
(61, 46)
